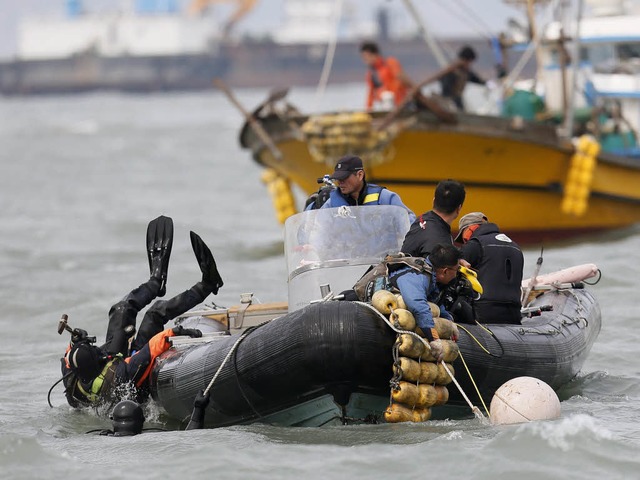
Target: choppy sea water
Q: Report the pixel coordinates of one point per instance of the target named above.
(81, 176)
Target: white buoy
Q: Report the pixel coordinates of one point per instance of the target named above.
(524, 399)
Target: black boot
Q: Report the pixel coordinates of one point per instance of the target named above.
(159, 243)
(210, 275)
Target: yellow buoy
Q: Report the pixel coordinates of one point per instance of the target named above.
(384, 301)
(442, 394)
(422, 395)
(397, 413)
(401, 303)
(413, 371)
(403, 319)
(281, 195)
(443, 377)
(412, 347)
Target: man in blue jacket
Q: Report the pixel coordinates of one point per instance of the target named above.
(353, 189)
(419, 288)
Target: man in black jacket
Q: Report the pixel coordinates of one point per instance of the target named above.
(499, 263)
(434, 227)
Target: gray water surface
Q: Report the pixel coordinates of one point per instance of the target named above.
(81, 176)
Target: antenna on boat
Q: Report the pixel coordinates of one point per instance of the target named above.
(532, 280)
(426, 35)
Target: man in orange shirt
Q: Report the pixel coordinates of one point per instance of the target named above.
(384, 75)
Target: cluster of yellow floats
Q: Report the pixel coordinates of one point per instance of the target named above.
(418, 383)
(577, 189)
(331, 136)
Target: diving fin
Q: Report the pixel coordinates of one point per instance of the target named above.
(210, 275)
(159, 243)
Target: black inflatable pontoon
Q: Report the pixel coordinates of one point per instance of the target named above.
(331, 362)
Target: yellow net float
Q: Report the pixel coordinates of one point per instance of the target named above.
(413, 395)
(412, 347)
(435, 309)
(443, 377)
(400, 300)
(442, 395)
(403, 319)
(397, 413)
(414, 371)
(384, 301)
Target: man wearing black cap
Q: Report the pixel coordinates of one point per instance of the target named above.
(353, 189)
(434, 227)
(499, 263)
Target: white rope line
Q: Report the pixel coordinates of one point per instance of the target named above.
(206, 392)
(331, 50)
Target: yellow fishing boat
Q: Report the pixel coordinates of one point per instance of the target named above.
(560, 159)
(522, 175)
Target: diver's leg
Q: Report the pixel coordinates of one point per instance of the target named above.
(164, 310)
(123, 314)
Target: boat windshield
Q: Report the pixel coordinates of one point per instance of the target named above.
(344, 233)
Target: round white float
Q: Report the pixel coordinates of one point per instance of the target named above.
(524, 399)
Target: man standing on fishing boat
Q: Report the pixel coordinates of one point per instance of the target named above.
(455, 78)
(385, 77)
(353, 188)
(434, 226)
(499, 263)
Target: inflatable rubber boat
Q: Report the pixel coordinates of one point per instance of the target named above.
(328, 361)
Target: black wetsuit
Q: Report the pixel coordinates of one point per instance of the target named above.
(425, 233)
(132, 367)
(499, 263)
(124, 313)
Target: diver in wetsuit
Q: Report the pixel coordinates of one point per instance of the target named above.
(128, 417)
(121, 367)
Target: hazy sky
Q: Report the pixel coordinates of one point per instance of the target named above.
(442, 16)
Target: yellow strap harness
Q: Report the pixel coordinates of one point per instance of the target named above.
(372, 197)
(96, 386)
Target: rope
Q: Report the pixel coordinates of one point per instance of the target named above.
(331, 50)
(474, 384)
(595, 281)
(235, 369)
(469, 17)
(476, 411)
(235, 345)
(54, 385)
(476, 340)
(426, 35)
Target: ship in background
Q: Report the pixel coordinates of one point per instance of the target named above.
(161, 45)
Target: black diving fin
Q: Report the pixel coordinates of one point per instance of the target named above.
(159, 243)
(210, 275)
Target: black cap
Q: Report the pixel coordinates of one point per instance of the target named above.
(346, 166)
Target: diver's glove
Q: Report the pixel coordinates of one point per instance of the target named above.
(202, 400)
(437, 350)
(197, 416)
(210, 275)
(189, 332)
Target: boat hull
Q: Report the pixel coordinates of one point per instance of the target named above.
(332, 362)
(516, 177)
